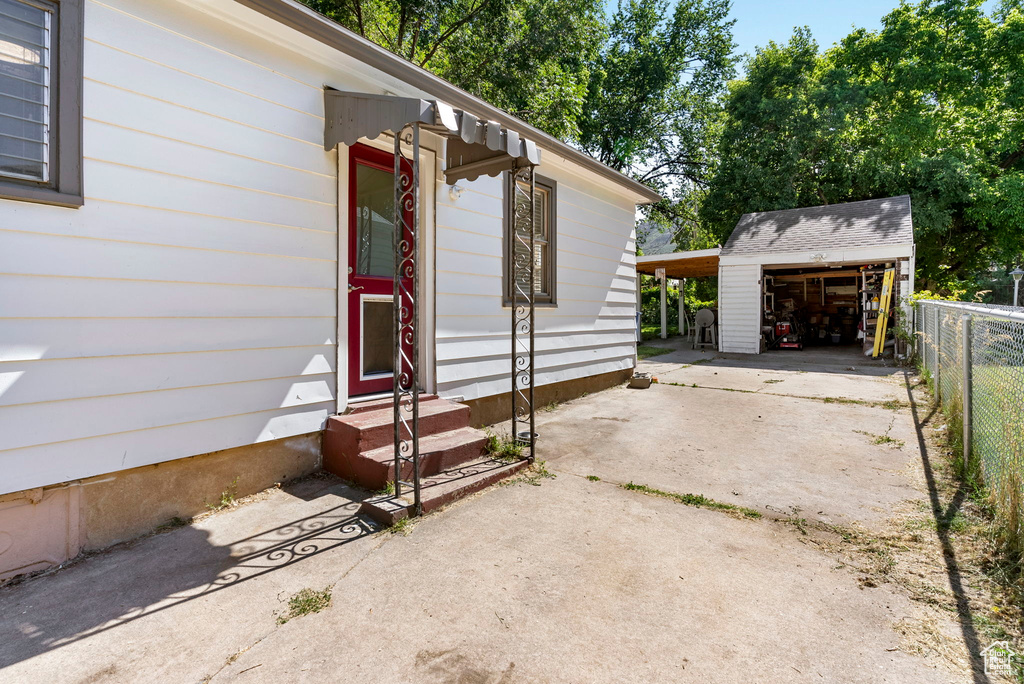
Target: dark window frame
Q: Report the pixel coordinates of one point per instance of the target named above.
(64, 187)
(548, 300)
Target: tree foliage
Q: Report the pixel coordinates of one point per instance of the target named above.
(930, 105)
(529, 57)
(638, 90)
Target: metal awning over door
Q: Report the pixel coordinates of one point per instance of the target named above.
(473, 148)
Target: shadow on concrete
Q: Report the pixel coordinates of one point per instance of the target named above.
(943, 518)
(112, 594)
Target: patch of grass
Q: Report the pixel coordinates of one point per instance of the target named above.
(387, 490)
(844, 400)
(503, 447)
(697, 500)
(895, 405)
(305, 602)
(879, 440)
(649, 332)
(646, 351)
(553, 406)
(227, 497)
(402, 527)
(593, 478)
(772, 382)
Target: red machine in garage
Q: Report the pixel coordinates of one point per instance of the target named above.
(787, 337)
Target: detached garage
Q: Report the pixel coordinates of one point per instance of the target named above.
(817, 272)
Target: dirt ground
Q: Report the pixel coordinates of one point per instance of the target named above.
(826, 546)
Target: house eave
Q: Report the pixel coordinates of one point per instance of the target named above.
(318, 27)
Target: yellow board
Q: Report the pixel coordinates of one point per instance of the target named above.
(883, 311)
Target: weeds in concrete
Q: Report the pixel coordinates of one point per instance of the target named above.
(537, 472)
(772, 382)
(227, 497)
(387, 490)
(503, 447)
(696, 500)
(402, 527)
(879, 440)
(306, 602)
(593, 478)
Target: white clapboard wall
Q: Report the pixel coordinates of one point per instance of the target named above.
(592, 328)
(739, 306)
(191, 304)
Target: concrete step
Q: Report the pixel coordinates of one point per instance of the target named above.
(441, 489)
(373, 469)
(355, 433)
(382, 403)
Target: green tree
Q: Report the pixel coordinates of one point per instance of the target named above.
(929, 105)
(530, 57)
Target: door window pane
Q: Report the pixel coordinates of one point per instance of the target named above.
(24, 90)
(378, 341)
(375, 228)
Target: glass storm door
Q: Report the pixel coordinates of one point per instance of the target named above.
(371, 266)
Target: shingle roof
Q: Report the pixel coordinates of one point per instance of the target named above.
(834, 226)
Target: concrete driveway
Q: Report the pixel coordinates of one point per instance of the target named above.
(564, 579)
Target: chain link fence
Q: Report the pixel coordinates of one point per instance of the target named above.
(975, 356)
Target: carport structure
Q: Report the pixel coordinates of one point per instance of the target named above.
(680, 266)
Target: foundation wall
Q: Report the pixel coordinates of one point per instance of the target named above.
(40, 528)
(498, 408)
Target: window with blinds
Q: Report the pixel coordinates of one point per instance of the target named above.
(25, 91)
(544, 231)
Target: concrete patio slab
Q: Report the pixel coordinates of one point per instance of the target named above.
(573, 580)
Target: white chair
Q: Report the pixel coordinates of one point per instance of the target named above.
(706, 333)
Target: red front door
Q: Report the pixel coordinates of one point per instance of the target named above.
(371, 265)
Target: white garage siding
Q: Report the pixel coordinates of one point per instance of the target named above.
(189, 306)
(739, 309)
(590, 331)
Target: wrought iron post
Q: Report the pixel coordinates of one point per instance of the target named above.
(522, 276)
(406, 311)
(966, 386)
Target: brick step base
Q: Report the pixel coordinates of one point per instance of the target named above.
(442, 488)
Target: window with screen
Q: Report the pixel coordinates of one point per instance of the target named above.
(40, 101)
(544, 241)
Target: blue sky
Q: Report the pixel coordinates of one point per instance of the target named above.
(759, 21)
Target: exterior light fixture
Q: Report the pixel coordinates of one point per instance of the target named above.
(1016, 273)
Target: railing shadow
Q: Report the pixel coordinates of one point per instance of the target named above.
(92, 599)
(943, 518)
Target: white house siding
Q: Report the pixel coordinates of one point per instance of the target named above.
(592, 329)
(189, 306)
(739, 308)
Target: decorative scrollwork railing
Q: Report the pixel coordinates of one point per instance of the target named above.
(522, 276)
(406, 321)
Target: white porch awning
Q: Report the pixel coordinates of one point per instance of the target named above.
(475, 148)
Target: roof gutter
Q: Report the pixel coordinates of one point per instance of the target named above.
(320, 28)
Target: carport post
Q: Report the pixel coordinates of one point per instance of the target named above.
(664, 305)
(966, 384)
(682, 306)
